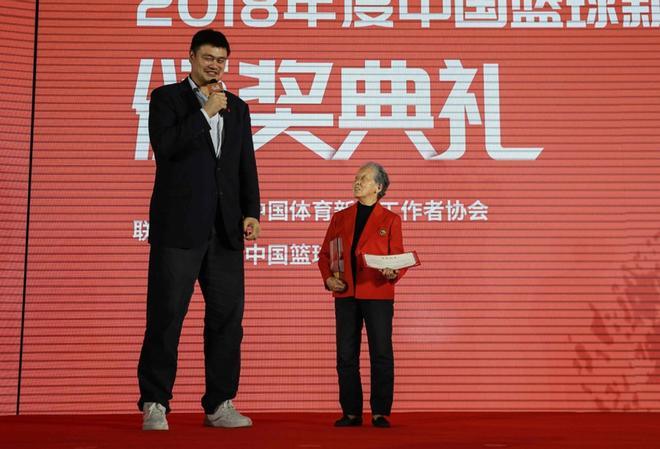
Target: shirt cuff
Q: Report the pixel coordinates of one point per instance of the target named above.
(208, 119)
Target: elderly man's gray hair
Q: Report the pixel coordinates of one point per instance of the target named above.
(380, 177)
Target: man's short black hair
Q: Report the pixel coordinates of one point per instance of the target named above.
(209, 36)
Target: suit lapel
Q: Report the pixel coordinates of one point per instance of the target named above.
(192, 105)
(349, 226)
(371, 226)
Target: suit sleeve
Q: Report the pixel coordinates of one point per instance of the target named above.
(396, 244)
(248, 178)
(169, 134)
(324, 254)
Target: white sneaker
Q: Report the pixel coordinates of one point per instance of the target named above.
(154, 417)
(227, 416)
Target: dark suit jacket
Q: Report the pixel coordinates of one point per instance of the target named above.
(381, 235)
(190, 182)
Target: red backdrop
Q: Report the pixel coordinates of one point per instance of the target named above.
(524, 155)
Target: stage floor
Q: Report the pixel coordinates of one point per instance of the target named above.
(315, 430)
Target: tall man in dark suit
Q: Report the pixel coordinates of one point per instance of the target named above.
(205, 202)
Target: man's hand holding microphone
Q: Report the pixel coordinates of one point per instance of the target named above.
(217, 101)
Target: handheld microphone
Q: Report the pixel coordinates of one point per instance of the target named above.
(215, 86)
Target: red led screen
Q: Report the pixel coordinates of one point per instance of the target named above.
(522, 141)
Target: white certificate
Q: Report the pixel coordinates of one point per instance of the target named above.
(393, 261)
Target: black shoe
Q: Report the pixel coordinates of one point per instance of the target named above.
(381, 421)
(346, 421)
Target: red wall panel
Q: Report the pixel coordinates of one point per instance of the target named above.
(548, 304)
(17, 49)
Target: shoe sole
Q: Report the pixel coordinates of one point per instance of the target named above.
(150, 428)
(208, 423)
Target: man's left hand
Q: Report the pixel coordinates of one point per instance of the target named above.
(251, 228)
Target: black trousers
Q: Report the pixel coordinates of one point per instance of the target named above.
(377, 315)
(172, 276)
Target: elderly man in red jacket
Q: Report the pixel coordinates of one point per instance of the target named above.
(364, 295)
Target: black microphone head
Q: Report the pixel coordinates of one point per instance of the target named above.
(215, 86)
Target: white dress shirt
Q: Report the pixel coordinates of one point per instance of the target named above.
(215, 122)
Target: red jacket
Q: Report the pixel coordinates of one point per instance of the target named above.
(381, 235)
